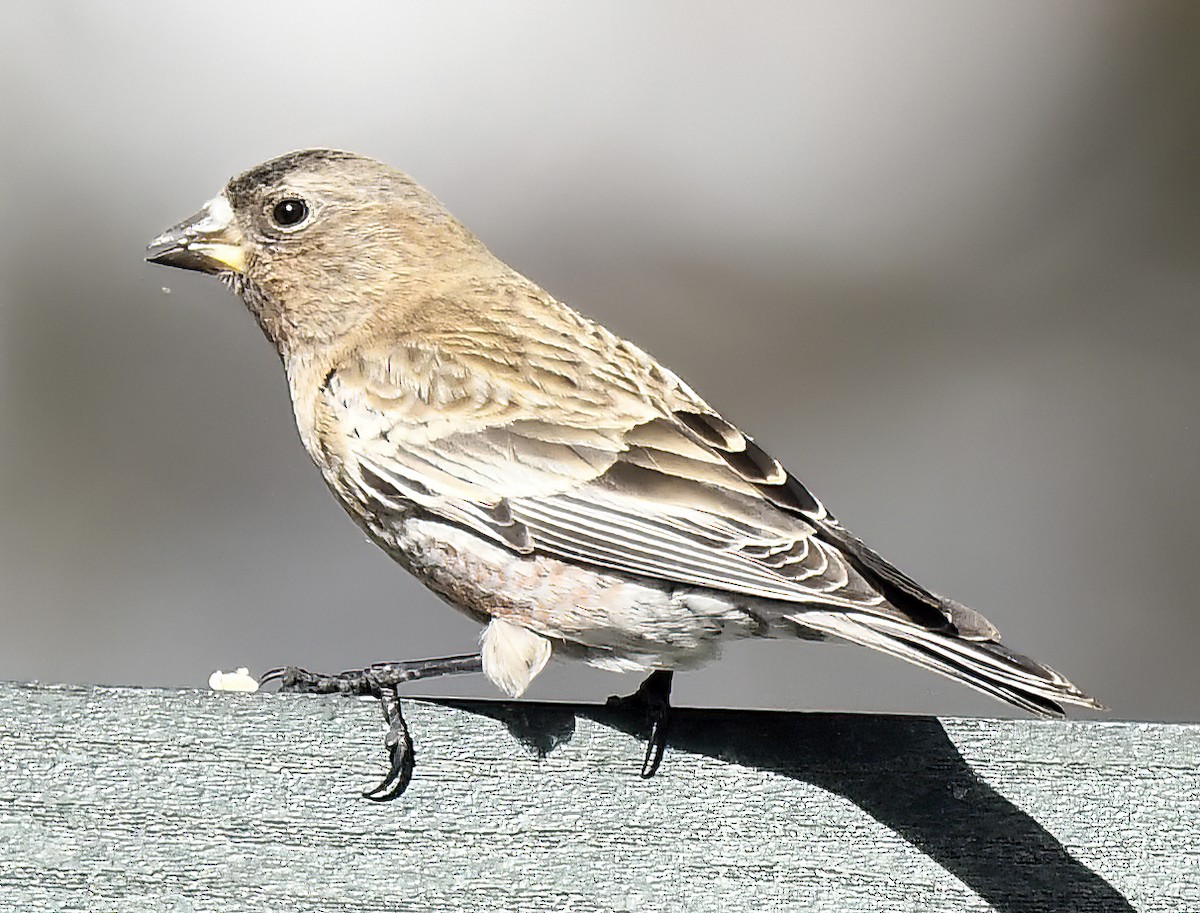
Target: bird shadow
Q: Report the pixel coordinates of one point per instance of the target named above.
(904, 771)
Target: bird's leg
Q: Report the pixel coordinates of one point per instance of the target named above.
(653, 698)
(382, 681)
(368, 681)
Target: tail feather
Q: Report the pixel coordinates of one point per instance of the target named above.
(984, 665)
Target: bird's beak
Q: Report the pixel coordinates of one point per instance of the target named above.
(209, 241)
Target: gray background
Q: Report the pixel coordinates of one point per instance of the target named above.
(940, 258)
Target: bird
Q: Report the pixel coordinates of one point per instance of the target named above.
(537, 472)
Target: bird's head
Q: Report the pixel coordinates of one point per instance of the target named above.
(316, 241)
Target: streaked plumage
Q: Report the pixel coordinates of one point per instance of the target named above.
(536, 471)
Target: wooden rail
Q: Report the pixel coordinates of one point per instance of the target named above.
(132, 800)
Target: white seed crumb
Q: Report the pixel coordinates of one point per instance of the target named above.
(241, 680)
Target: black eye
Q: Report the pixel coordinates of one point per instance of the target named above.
(290, 212)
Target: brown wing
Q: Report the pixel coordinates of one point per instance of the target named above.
(642, 477)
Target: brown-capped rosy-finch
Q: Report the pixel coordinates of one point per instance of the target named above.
(540, 474)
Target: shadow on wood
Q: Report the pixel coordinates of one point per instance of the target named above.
(903, 771)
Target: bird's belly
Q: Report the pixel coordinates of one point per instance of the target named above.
(610, 620)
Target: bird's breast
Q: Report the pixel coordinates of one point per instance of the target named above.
(304, 385)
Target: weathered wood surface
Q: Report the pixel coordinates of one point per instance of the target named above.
(139, 800)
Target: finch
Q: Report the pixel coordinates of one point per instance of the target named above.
(539, 473)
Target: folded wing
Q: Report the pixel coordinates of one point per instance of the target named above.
(659, 486)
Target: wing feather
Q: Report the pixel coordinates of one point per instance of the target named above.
(660, 487)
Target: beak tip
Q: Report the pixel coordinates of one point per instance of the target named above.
(158, 252)
(208, 242)
(162, 247)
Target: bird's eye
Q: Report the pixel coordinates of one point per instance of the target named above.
(289, 212)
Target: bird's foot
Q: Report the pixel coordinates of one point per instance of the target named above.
(653, 698)
(381, 681)
(397, 741)
(368, 681)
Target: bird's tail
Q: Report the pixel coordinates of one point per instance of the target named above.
(983, 664)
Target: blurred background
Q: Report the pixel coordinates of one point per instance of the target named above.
(940, 258)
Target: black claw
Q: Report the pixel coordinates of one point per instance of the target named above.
(656, 747)
(657, 692)
(294, 680)
(653, 698)
(399, 745)
(291, 679)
